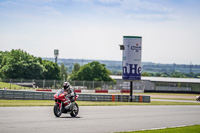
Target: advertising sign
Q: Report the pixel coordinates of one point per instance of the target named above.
(132, 57)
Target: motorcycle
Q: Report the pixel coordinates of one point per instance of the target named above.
(61, 105)
(197, 98)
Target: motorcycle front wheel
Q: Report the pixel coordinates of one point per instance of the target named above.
(75, 111)
(56, 110)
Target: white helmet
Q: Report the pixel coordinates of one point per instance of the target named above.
(66, 85)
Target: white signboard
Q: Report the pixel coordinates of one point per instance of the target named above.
(132, 57)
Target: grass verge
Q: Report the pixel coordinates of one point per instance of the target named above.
(168, 94)
(14, 103)
(13, 87)
(186, 129)
(176, 99)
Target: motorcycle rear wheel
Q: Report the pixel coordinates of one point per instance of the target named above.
(57, 111)
(74, 112)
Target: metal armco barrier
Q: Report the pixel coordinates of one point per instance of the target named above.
(35, 95)
(26, 95)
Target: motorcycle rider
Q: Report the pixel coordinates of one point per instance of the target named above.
(70, 95)
(198, 98)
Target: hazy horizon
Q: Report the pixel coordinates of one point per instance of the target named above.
(118, 60)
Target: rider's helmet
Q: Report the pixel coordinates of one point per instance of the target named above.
(66, 85)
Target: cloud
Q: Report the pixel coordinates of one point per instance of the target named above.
(152, 17)
(135, 9)
(133, 5)
(50, 10)
(146, 5)
(109, 2)
(29, 9)
(110, 7)
(82, 1)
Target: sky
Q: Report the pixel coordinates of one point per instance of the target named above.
(94, 29)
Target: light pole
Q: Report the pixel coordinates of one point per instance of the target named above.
(63, 77)
(122, 47)
(56, 53)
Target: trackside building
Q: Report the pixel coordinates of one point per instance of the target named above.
(161, 84)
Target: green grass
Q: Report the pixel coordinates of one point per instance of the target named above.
(171, 96)
(160, 94)
(7, 85)
(14, 103)
(168, 94)
(83, 103)
(186, 129)
(175, 96)
(10, 103)
(176, 99)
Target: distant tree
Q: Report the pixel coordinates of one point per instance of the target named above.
(73, 75)
(191, 75)
(177, 74)
(158, 74)
(116, 72)
(197, 75)
(164, 74)
(76, 67)
(145, 74)
(3, 56)
(119, 73)
(19, 64)
(94, 71)
(63, 72)
(52, 70)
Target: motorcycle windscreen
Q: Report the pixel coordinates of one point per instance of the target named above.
(59, 92)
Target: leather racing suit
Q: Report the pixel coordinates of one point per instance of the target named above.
(70, 96)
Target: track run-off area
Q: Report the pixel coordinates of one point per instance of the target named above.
(96, 119)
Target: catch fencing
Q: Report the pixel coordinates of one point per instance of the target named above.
(34, 95)
(138, 86)
(19, 84)
(56, 84)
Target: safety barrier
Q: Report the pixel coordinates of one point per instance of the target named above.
(45, 90)
(106, 91)
(35, 95)
(26, 95)
(95, 91)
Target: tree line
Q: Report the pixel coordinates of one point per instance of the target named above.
(93, 71)
(174, 74)
(18, 64)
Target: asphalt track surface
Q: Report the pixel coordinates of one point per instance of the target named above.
(96, 119)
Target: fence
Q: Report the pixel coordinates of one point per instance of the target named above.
(33, 95)
(139, 86)
(185, 87)
(17, 84)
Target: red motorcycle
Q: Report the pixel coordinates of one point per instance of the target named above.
(61, 105)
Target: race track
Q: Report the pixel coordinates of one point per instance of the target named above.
(96, 119)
